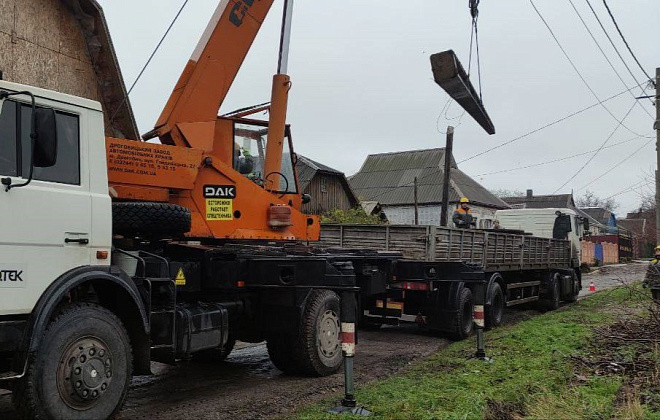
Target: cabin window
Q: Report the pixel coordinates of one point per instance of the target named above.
(16, 145)
(250, 142)
(324, 185)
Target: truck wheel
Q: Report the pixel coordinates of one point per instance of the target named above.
(463, 324)
(216, 355)
(81, 370)
(495, 310)
(316, 350)
(576, 290)
(142, 218)
(319, 344)
(281, 352)
(554, 296)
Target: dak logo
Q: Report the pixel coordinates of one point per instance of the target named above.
(239, 11)
(220, 191)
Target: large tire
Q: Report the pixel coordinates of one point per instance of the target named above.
(495, 310)
(553, 298)
(81, 370)
(281, 352)
(575, 292)
(463, 324)
(216, 355)
(316, 349)
(142, 218)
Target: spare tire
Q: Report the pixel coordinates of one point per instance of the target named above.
(144, 218)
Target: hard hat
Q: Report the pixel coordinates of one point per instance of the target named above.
(465, 200)
(657, 248)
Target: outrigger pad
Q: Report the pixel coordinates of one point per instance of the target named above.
(358, 411)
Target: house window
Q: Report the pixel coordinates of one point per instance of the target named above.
(324, 185)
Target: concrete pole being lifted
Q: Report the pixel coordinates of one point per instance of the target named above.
(656, 126)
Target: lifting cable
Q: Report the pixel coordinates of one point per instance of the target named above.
(474, 41)
(137, 79)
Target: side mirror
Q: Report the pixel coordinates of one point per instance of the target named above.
(45, 144)
(586, 225)
(306, 198)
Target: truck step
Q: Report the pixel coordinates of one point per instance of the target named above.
(523, 284)
(521, 301)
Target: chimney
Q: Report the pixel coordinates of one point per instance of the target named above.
(530, 194)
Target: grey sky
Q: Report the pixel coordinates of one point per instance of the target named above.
(362, 82)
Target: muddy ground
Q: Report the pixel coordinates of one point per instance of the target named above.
(248, 386)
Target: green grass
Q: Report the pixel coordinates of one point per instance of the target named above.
(532, 375)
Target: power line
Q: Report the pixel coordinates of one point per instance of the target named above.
(123, 102)
(605, 55)
(616, 166)
(576, 69)
(548, 162)
(624, 40)
(609, 38)
(627, 189)
(547, 126)
(597, 151)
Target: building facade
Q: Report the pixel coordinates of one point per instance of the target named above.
(328, 188)
(65, 45)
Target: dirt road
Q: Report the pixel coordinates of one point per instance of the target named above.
(247, 385)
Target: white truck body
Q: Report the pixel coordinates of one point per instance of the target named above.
(541, 223)
(39, 218)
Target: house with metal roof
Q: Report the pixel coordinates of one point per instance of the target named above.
(328, 188)
(389, 179)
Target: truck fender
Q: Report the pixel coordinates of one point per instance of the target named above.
(114, 283)
(495, 277)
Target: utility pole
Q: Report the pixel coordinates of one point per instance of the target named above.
(656, 126)
(416, 205)
(447, 175)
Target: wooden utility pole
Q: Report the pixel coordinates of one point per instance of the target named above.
(447, 175)
(656, 126)
(416, 205)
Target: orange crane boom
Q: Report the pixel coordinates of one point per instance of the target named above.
(231, 173)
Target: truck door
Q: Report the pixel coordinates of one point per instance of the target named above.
(45, 226)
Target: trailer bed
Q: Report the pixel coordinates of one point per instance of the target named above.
(493, 250)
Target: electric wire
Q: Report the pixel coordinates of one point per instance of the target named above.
(548, 162)
(597, 151)
(629, 188)
(616, 49)
(627, 158)
(605, 55)
(547, 25)
(625, 41)
(144, 68)
(555, 122)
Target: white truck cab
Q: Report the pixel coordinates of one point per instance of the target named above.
(557, 223)
(59, 220)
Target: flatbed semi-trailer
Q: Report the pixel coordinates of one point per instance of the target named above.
(434, 270)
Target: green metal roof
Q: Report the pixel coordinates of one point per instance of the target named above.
(388, 178)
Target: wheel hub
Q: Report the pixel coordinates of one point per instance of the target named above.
(329, 334)
(85, 372)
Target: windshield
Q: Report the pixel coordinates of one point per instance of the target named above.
(250, 142)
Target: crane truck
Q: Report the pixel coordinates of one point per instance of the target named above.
(117, 252)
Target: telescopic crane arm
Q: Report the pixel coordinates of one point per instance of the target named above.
(194, 103)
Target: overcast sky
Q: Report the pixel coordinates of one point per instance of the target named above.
(362, 82)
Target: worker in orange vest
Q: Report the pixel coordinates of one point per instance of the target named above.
(462, 217)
